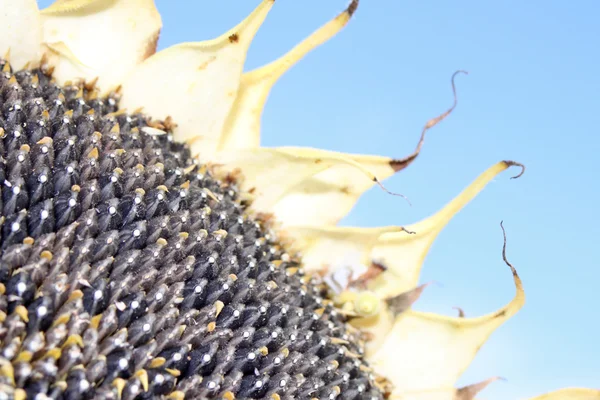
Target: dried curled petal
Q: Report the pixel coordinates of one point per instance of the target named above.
(425, 351)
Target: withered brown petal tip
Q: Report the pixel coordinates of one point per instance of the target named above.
(510, 163)
(352, 7)
(399, 165)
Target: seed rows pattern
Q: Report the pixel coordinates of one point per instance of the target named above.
(128, 272)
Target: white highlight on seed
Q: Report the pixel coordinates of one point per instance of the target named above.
(42, 310)
(135, 304)
(15, 226)
(72, 202)
(97, 294)
(137, 200)
(246, 334)
(225, 286)
(44, 149)
(20, 158)
(112, 210)
(16, 190)
(177, 356)
(198, 289)
(159, 379)
(123, 363)
(84, 385)
(282, 383)
(258, 384)
(42, 178)
(136, 233)
(211, 260)
(206, 358)
(146, 327)
(212, 385)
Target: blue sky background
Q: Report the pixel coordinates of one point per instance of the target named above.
(532, 95)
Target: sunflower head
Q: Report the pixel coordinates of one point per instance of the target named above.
(151, 248)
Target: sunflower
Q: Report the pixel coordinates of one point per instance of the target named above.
(152, 249)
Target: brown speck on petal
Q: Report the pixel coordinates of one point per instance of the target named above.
(151, 46)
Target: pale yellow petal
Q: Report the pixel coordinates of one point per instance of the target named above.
(273, 174)
(103, 39)
(334, 247)
(195, 83)
(401, 250)
(329, 195)
(571, 394)
(242, 127)
(21, 32)
(426, 351)
(403, 254)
